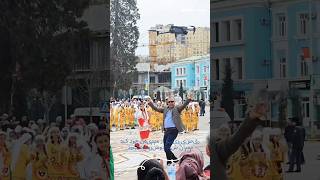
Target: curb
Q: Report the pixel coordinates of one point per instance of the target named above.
(313, 140)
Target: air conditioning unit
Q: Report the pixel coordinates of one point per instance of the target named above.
(314, 15)
(315, 58)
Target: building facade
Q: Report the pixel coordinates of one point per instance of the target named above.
(168, 43)
(193, 74)
(273, 45)
(88, 85)
(159, 77)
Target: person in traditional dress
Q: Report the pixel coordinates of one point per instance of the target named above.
(5, 157)
(144, 125)
(39, 159)
(56, 154)
(278, 151)
(73, 157)
(260, 156)
(98, 167)
(21, 156)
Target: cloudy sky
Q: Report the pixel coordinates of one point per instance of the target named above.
(178, 12)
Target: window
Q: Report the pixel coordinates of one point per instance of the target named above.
(283, 67)
(198, 69)
(282, 25)
(216, 69)
(152, 79)
(205, 82)
(178, 83)
(239, 68)
(303, 25)
(238, 29)
(184, 83)
(177, 71)
(216, 32)
(198, 82)
(303, 67)
(305, 107)
(204, 68)
(184, 71)
(240, 109)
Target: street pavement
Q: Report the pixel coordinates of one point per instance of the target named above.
(311, 169)
(127, 158)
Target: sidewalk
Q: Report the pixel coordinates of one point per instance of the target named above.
(127, 157)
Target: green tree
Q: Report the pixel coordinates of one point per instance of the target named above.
(124, 41)
(43, 40)
(181, 91)
(227, 92)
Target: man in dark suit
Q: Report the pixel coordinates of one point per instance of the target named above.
(202, 105)
(172, 123)
(288, 133)
(298, 138)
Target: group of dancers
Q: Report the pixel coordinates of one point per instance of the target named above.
(74, 151)
(126, 114)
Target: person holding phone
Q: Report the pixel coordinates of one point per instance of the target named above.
(172, 123)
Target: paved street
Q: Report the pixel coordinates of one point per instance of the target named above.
(311, 170)
(127, 158)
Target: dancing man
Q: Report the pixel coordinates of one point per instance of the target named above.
(172, 123)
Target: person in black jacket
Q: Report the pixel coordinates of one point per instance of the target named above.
(202, 105)
(221, 149)
(288, 132)
(298, 138)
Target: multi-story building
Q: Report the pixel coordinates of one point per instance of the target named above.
(273, 45)
(159, 78)
(88, 84)
(170, 43)
(193, 74)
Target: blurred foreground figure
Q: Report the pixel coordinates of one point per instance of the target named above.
(221, 149)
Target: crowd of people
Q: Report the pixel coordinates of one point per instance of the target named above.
(71, 150)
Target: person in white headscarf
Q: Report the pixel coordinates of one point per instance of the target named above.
(21, 156)
(260, 157)
(39, 159)
(85, 150)
(278, 149)
(98, 167)
(73, 156)
(56, 153)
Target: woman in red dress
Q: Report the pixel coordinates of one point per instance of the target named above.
(143, 117)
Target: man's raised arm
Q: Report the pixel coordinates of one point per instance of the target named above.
(150, 103)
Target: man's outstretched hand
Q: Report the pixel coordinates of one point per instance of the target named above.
(149, 100)
(259, 111)
(190, 96)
